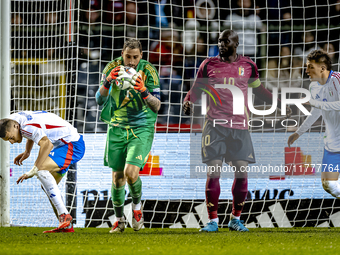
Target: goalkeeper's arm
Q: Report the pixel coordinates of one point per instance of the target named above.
(153, 102)
(101, 99)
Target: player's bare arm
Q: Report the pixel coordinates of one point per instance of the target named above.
(288, 112)
(22, 156)
(45, 148)
(153, 102)
(103, 92)
(292, 138)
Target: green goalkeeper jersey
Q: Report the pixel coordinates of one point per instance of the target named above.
(127, 108)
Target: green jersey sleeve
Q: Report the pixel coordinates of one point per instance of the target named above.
(151, 79)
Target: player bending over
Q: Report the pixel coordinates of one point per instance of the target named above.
(60, 146)
(230, 142)
(325, 93)
(130, 115)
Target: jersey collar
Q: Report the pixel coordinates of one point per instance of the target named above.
(330, 75)
(236, 59)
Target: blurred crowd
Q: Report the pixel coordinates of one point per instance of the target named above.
(178, 35)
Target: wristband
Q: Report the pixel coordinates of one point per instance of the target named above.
(106, 84)
(32, 172)
(145, 93)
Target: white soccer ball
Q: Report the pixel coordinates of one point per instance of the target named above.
(125, 78)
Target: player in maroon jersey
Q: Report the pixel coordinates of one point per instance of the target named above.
(230, 140)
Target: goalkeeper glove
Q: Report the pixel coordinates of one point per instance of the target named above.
(115, 72)
(138, 84)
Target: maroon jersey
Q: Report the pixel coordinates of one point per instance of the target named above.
(242, 73)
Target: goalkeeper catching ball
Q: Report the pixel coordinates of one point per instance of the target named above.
(130, 115)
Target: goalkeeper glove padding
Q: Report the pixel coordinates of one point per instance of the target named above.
(138, 84)
(115, 72)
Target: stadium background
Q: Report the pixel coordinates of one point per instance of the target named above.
(58, 53)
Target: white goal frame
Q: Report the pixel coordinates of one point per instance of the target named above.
(5, 98)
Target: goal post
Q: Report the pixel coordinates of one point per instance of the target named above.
(5, 97)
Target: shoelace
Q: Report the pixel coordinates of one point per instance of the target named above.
(238, 226)
(62, 218)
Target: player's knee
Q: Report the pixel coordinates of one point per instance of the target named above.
(118, 179)
(241, 175)
(213, 174)
(131, 171)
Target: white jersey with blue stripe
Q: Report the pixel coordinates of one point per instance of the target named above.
(34, 125)
(325, 102)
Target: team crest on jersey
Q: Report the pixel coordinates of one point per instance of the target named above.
(240, 71)
(331, 92)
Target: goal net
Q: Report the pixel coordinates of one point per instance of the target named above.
(59, 50)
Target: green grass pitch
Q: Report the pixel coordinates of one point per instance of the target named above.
(27, 240)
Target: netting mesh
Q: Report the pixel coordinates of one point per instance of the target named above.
(60, 48)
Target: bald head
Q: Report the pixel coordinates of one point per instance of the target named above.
(228, 43)
(231, 34)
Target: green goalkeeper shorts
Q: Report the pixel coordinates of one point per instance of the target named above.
(127, 146)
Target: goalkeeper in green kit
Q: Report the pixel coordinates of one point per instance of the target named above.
(130, 115)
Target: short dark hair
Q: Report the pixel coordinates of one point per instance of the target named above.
(5, 125)
(320, 57)
(132, 43)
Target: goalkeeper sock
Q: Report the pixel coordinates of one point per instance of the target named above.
(118, 199)
(136, 191)
(212, 194)
(51, 188)
(239, 191)
(137, 206)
